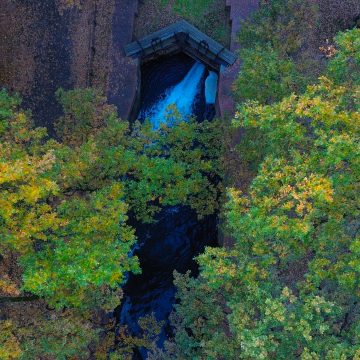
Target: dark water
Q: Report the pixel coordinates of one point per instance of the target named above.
(177, 236)
(168, 245)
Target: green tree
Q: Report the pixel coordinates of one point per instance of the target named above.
(210, 16)
(265, 76)
(65, 335)
(9, 345)
(289, 287)
(279, 50)
(47, 227)
(65, 205)
(284, 24)
(344, 67)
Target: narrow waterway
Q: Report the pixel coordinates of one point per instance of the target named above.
(177, 236)
(183, 95)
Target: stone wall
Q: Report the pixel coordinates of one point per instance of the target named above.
(239, 10)
(45, 46)
(125, 72)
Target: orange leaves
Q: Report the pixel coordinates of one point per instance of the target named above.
(25, 186)
(329, 50)
(8, 287)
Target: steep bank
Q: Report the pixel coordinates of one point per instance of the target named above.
(46, 46)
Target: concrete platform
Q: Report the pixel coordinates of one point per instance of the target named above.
(183, 36)
(239, 10)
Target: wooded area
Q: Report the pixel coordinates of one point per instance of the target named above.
(282, 176)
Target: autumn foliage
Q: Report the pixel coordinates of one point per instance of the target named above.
(289, 287)
(65, 204)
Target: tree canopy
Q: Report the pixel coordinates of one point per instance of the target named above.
(65, 203)
(289, 287)
(286, 285)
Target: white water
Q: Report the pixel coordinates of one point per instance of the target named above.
(182, 95)
(211, 84)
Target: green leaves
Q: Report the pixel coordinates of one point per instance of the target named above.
(64, 209)
(277, 50)
(64, 206)
(345, 66)
(86, 112)
(265, 76)
(288, 286)
(89, 252)
(210, 16)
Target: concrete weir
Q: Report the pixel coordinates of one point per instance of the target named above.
(181, 37)
(184, 37)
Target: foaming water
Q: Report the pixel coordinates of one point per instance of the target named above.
(183, 96)
(211, 85)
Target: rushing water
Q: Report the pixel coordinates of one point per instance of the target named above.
(177, 236)
(183, 95)
(211, 85)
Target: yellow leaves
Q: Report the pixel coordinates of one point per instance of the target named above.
(115, 278)
(357, 355)
(305, 105)
(26, 186)
(9, 345)
(13, 171)
(282, 250)
(305, 329)
(316, 187)
(302, 208)
(317, 109)
(288, 205)
(287, 293)
(6, 209)
(238, 199)
(254, 272)
(309, 355)
(287, 104)
(300, 198)
(117, 190)
(275, 309)
(25, 175)
(30, 193)
(46, 162)
(259, 248)
(4, 168)
(328, 86)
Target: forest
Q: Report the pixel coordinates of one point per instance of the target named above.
(276, 181)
